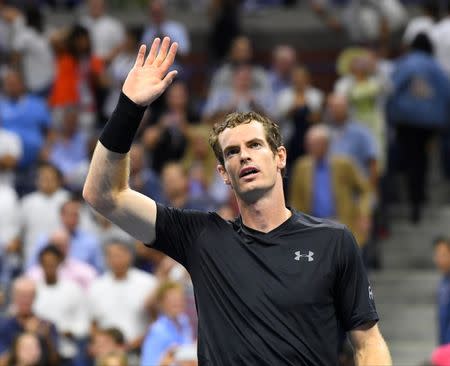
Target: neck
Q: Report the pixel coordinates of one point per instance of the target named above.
(51, 281)
(178, 200)
(120, 275)
(266, 213)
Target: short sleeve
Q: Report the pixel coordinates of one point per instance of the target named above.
(177, 230)
(354, 296)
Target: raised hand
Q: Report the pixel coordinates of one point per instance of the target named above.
(148, 78)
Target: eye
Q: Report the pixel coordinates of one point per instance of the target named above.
(230, 152)
(255, 144)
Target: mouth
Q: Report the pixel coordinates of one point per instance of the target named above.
(248, 172)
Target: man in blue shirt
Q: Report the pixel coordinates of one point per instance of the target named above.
(352, 139)
(442, 261)
(418, 107)
(83, 245)
(25, 115)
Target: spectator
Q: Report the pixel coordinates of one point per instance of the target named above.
(241, 53)
(175, 183)
(364, 92)
(441, 40)
(143, 179)
(418, 107)
(31, 49)
(9, 224)
(106, 341)
(351, 139)
(440, 356)
(29, 119)
(23, 319)
(298, 107)
(11, 151)
(107, 33)
(330, 186)
(199, 161)
(70, 269)
(117, 70)
(26, 351)
(225, 26)
(62, 303)
(442, 262)
(363, 20)
(80, 76)
(168, 138)
(161, 27)
(84, 246)
(241, 97)
(108, 308)
(69, 151)
(40, 209)
(423, 23)
(171, 328)
(283, 63)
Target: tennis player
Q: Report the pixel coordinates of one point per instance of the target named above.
(275, 286)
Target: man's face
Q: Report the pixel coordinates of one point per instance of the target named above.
(174, 180)
(250, 166)
(70, 215)
(337, 109)
(13, 84)
(316, 144)
(442, 257)
(118, 258)
(23, 299)
(173, 303)
(48, 180)
(49, 264)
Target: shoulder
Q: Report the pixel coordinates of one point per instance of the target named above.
(304, 220)
(340, 161)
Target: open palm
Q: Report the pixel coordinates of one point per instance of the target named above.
(148, 78)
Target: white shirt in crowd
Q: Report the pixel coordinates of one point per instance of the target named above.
(37, 56)
(121, 303)
(420, 24)
(63, 304)
(106, 33)
(10, 145)
(441, 41)
(9, 214)
(40, 215)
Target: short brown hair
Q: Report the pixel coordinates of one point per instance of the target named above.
(273, 135)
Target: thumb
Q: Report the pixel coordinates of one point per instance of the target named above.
(169, 78)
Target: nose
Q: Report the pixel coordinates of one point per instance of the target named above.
(245, 155)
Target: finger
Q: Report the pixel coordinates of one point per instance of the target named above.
(170, 57)
(163, 51)
(153, 51)
(169, 78)
(140, 56)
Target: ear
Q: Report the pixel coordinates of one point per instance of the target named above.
(223, 173)
(281, 156)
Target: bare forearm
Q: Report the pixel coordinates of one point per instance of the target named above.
(376, 354)
(108, 176)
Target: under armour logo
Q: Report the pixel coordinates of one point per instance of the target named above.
(299, 255)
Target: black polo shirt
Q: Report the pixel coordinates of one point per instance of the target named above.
(276, 298)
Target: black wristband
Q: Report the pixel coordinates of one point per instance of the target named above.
(119, 131)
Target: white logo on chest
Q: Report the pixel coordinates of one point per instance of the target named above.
(299, 255)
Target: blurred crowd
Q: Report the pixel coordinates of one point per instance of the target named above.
(77, 290)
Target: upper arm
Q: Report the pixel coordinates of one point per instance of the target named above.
(107, 191)
(135, 213)
(365, 334)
